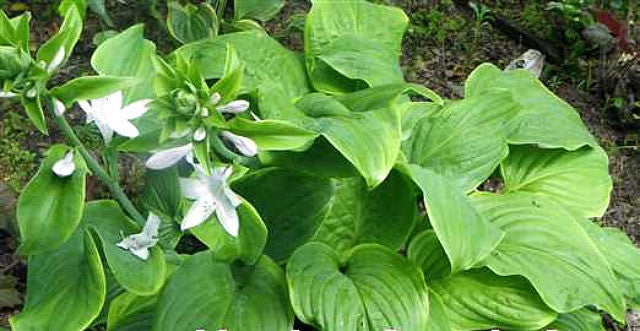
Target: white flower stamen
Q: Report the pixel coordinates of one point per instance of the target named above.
(244, 145)
(65, 166)
(57, 60)
(140, 243)
(110, 116)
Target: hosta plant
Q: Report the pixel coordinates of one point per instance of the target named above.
(316, 188)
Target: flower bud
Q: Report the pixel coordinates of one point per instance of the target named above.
(56, 61)
(65, 166)
(58, 107)
(244, 145)
(200, 134)
(234, 107)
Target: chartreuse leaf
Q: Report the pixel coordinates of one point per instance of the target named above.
(479, 299)
(578, 179)
(340, 212)
(231, 81)
(348, 43)
(111, 225)
(258, 9)
(546, 245)
(50, 207)
(438, 316)
(190, 22)
(66, 38)
(211, 295)
(65, 287)
(128, 54)
(33, 108)
(427, 253)
(622, 255)
(91, 87)
(580, 320)
(131, 312)
(369, 288)
(264, 58)
(249, 244)
(543, 118)
(467, 140)
(21, 31)
(80, 5)
(466, 235)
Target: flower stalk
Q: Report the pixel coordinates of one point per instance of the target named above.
(94, 166)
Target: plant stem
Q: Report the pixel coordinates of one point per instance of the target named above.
(97, 170)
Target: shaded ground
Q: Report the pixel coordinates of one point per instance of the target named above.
(440, 49)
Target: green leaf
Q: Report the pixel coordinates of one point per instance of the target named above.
(91, 87)
(21, 25)
(427, 253)
(273, 135)
(190, 22)
(128, 55)
(580, 320)
(546, 245)
(80, 5)
(111, 225)
(131, 312)
(465, 234)
(162, 193)
(341, 212)
(579, 179)
(67, 37)
(438, 316)
(479, 299)
(50, 207)
(351, 41)
(211, 295)
(466, 140)
(231, 81)
(371, 287)
(543, 118)
(274, 89)
(33, 108)
(262, 10)
(98, 6)
(370, 140)
(249, 244)
(622, 255)
(65, 287)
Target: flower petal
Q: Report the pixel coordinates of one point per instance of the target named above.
(105, 130)
(7, 94)
(65, 166)
(56, 61)
(150, 229)
(199, 212)
(244, 145)
(165, 159)
(234, 107)
(193, 188)
(135, 109)
(228, 216)
(123, 127)
(59, 107)
(86, 106)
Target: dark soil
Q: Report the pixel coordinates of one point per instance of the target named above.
(439, 52)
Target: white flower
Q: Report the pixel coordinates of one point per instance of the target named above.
(58, 107)
(234, 107)
(168, 157)
(109, 115)
(211, 194)
(139, 243)
(200, 134)
(65, 166)
(57, 60)
(7, 94)
(244, 145)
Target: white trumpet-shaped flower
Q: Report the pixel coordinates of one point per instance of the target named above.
(140, 243)
(110, 115)
(65, 166)
(244, 145)
(57, 60)
(234, 107)
(168, 157)
(211, 194)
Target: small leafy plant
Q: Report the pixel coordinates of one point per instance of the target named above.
(282, 186)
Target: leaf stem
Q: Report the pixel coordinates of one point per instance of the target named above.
(95, 167)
